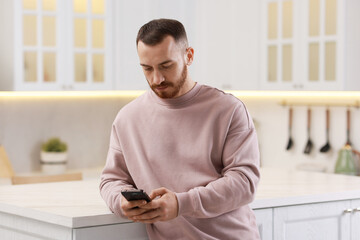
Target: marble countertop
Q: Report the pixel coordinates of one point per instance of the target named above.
(79, 204)
(283, 187)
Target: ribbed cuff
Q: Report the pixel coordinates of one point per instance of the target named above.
(186, 206)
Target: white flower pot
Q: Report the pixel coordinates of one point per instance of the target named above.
(53, 162)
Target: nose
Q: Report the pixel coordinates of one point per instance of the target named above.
(158, 78)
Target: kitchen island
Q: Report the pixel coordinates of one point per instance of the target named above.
(289, 205)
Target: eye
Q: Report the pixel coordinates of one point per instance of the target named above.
(147, 69)
(166, 66)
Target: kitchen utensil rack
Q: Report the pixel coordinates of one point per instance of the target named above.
(355, 104)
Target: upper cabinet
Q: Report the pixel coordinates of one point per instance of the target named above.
(63, 45)
(239, 45)
(131, 15)
(222, 34)
(304, 45)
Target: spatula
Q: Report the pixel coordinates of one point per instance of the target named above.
(309, 143)
(327, 146)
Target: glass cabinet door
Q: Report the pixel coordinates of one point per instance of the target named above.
(302, 45)
(90, 39)
(37, 51)
(63, 44)
(278, 44)
(323, 40)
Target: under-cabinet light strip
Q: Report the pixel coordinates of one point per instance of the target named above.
(133, 94)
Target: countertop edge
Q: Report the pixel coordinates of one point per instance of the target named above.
(304, 199)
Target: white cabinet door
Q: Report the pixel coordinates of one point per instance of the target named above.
(226, 47)
(131, 15)
(264, 220)
(355, 220)
(321, 221)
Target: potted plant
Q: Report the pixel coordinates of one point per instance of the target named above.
(54, 156)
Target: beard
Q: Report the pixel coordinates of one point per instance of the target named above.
(173, 89)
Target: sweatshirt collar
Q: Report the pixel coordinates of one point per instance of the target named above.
(176, 101)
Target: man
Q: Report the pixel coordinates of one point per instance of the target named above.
(192, 147)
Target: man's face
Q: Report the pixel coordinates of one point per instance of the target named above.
(164, 67)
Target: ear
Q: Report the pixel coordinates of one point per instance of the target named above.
(189, 56)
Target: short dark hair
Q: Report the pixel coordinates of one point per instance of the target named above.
(153, 32)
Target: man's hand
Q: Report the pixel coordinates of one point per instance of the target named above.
(132, 208)
(163, 207)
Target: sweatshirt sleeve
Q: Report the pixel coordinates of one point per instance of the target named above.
(239, 178)
(115, 176)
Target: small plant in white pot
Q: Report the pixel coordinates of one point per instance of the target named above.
(54, 156)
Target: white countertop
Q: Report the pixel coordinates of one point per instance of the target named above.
(283, 187)
(79, 204)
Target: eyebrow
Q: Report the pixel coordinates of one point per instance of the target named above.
(162, 63)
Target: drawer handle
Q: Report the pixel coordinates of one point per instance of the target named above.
(349, 210)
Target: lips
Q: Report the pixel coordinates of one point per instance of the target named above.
(161, 88)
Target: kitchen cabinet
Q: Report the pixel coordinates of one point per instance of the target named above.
(264, 220)
(124, 231)
(355, 219)
(63, 45)
(288, 205)
(307, 45)
(131, 15)
(321, 221)
(225, 57)
(226, 47)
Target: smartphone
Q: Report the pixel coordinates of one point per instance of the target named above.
(136, 194)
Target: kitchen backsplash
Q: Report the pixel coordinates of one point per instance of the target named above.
(85, 124)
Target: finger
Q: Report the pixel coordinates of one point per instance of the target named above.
(158, 192)
(156, 219)
(132, 204)
(147, 215)
(135, 212)
(153, 205)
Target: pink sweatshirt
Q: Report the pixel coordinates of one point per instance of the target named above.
(203, 146)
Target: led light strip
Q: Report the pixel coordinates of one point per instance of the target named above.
(133, 94)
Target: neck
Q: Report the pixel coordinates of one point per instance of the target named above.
(188, 85)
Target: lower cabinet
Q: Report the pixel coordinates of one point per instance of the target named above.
(337, 220)
(321, 221)
(124, 231)
(355, 220)
(264, 220)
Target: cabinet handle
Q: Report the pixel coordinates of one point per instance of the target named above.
(349, 210)
(356, 209)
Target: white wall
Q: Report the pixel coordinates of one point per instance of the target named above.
(85, 125)
(272, 119)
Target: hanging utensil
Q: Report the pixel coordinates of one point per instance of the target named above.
(345, 163)
(309, 143)
(290, 142)
(327, 146)
(348, 127)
